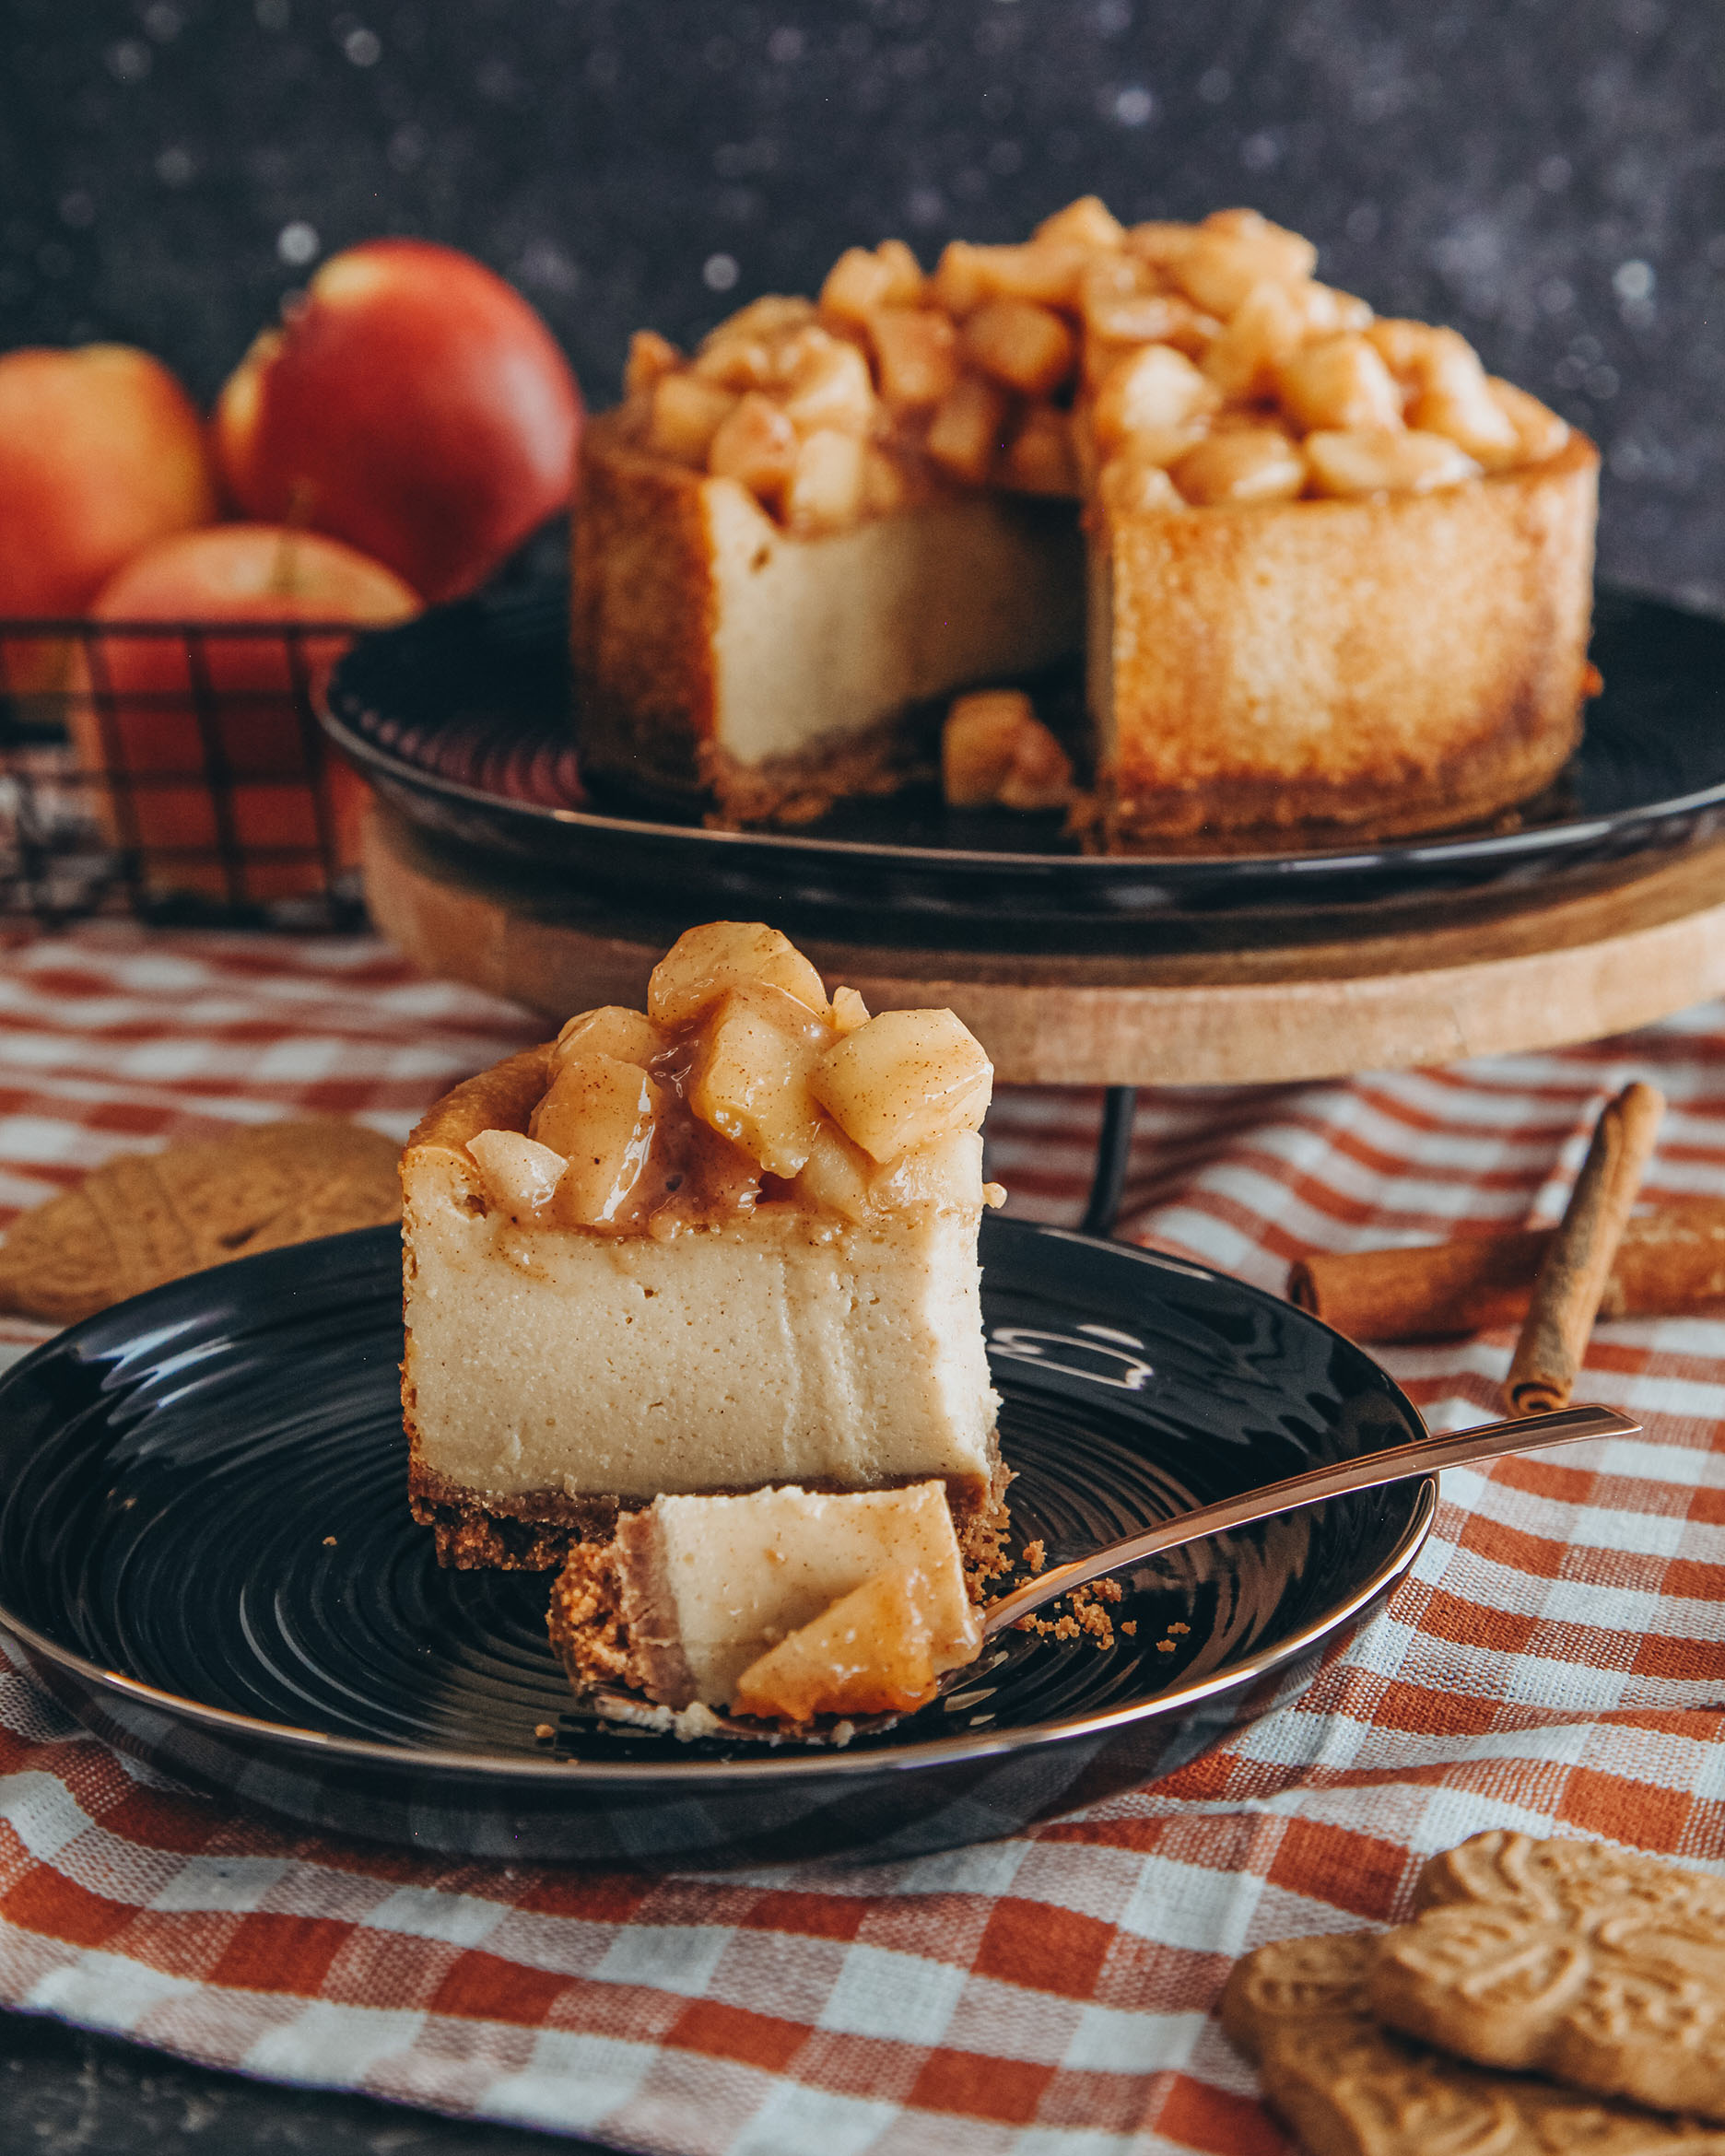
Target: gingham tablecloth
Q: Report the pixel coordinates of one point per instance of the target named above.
(1555, 1662)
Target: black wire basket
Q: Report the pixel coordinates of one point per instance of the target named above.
(176, 771)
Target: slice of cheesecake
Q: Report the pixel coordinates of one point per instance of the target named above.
(785, 1604)
(1333, 581)
(726, 1242)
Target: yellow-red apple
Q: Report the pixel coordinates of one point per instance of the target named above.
(412, 404)
(170, 712)
(101, 452)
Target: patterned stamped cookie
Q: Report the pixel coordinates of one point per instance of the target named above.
(145, 1218)
(1348, 2087)
(1603, 1969)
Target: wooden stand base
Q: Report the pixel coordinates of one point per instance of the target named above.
(1568, 969)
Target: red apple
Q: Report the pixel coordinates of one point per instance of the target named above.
(101, 452)
(167, 711)
(413, 405)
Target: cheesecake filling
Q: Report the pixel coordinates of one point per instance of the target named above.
(786, 1603)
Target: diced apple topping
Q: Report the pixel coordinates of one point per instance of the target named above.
(1372, 462)
(1542, 433)
(1087, 223)
(755, 444)
(705, 963)
(724, 1095)
(649, 355)
(599, 1114)
(965, 435)
(903, 1080)
(824, 490)
(1040, 458)
(751, 1080)
(687, 414)
(1249, 464)
(872, 1652)
(838, 1176)
(1339, 382)
(829, 387)
(612, 1030)
(848, 1011)
(1168, 332)
(916, 351)
(1027, 347)
(947, 1173)
(995, 750)
(520, 1175)
(1155, 388)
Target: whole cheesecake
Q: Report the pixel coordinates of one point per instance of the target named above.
(1330, 579)
(723, 1244)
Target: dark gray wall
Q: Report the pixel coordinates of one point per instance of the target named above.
(1546, 174)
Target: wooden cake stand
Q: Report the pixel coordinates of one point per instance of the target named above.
(1547, 972)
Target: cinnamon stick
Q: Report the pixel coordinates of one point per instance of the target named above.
(1671, 1263)
(1572, 1277)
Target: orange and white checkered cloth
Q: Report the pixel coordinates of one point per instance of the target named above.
(1555, 1662)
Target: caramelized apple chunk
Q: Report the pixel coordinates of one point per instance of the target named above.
(995, 750)
(946, 1173)
(848, 1011)
(1154, 390)
(967, 432)
(838, 1176)
(706, 962)
(871, 1652)
(903, 1080)
(1379, 461)
(751, 1079)
(687, 414)
(612, 1030)
(600, 1114)
(916, 351)
(1026, 347)
(520, 1175)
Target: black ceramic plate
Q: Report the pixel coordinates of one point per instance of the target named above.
(205, 1551)
(462, 719)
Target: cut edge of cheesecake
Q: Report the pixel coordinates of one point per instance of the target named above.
(718, 654)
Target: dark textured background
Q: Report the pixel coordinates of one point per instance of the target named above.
(1546, 174)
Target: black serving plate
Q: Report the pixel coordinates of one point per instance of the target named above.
(205, 1551)
(462, 719)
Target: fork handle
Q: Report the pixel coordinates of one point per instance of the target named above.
(1371, 1470)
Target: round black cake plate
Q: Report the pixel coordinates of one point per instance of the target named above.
(205, 1551)
(464, 720)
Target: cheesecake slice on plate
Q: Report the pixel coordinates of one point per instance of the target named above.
(720, 1245)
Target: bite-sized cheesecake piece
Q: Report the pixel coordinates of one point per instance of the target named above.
(785, 1604)
(1338, 579)
(725, 1242)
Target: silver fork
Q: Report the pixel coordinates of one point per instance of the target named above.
(1371, 1470)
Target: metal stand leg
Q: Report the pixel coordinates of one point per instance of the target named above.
(1113, 1153)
